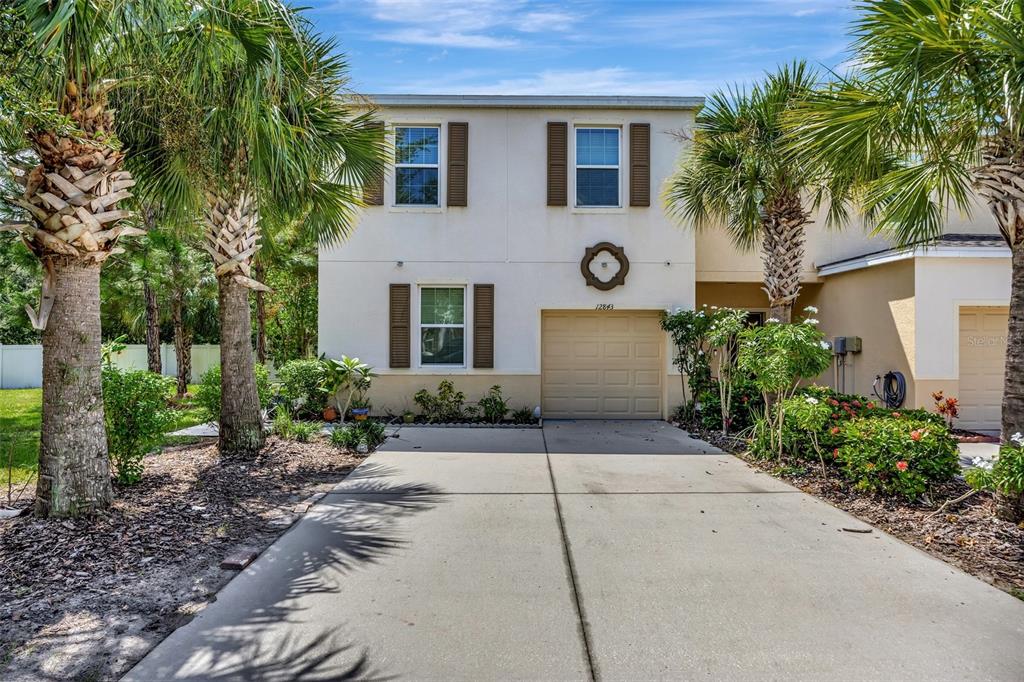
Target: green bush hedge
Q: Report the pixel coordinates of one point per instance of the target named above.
(301, 386)
(137, 414)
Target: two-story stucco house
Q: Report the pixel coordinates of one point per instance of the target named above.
(521, 241)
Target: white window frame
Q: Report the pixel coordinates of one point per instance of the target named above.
(440, 146)
(421, 326)
(577, 166)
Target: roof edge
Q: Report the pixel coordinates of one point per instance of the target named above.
(537, 101)
(947, 250)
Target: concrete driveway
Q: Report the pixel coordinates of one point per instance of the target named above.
(494, 554)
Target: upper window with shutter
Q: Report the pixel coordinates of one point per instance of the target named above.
(597, 167)
(417, 165)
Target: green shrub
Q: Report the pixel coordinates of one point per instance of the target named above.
(746, 404)
(1003, 475)
(445, 406)
(303, 431)
(689, 331)
(523, 415)
(897, 455)
(137, 415)
(207, 394)
(301, 387)
(282, 424)
(493, 406)
(369, 432)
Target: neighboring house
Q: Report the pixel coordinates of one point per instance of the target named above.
(521, 241)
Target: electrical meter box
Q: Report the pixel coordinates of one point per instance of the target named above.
(846, 344)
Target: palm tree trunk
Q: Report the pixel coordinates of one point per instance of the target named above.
(74, 471)
(997, 180)
(152, 328)
(783, 253)
(232, 239)
(182, 342)
(241, 423)
(261, 318)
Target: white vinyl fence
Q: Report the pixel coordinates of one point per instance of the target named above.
(22, 366)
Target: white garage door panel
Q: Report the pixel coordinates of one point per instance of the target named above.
(602, 364)
(982, 358)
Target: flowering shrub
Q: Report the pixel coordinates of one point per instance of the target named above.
(897, 455)
(947, 408)
(689, 331)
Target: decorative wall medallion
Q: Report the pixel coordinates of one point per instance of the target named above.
(604, 266)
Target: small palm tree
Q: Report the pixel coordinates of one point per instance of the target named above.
(739, 176)
(940, 90)
(60, 142)
(259, 135)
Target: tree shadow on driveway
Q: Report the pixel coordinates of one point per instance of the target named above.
(283, 618)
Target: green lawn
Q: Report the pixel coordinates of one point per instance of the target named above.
(20, 413)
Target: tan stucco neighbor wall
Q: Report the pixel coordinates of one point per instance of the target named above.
(748, 295)
(878, 305)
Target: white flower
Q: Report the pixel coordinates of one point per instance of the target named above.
(810, 320)
(714, 307)
(700, 352)
(1018, 438)
(810, 309)
(824, 344)
(771, 319)
(980, 463)
(811, 400)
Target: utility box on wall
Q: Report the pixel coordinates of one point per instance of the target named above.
(846, 344)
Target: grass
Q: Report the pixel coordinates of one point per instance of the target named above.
(20, 413)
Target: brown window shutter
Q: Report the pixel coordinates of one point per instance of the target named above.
(639, 164)
(373, 192)
(483, 326)
(400, 306)
(458, 164)
(558, 163)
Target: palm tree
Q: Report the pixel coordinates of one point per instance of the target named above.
(262, 137)
(939, 88)
(739, 176)
(61, 146)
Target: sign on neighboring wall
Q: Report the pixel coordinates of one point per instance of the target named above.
(22, 366)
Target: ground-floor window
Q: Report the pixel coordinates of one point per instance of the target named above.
(443, 326)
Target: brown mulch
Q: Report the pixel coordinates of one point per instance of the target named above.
(86, 598)
(967, 535)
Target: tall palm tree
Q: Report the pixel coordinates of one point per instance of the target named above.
(940, 88)
(60, 143)
(260, 136)
(739, 176)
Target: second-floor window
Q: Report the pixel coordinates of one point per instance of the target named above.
(597, 167)
(417, 166)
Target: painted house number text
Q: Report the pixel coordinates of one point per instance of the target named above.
(605, 306)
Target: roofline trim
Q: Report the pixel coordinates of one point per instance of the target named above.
(537, 101)
(894, 255)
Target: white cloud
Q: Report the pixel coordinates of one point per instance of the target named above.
(601, 81)
(482, 24)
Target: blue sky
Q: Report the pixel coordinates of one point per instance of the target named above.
(630, 47)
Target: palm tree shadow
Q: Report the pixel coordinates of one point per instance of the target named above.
(263, 626)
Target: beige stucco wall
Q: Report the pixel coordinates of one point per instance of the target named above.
(878, 305)
(748, 295)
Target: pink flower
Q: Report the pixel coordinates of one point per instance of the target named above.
(915, 436)
(901, 465)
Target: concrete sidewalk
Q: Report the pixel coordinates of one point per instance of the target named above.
(493, 554)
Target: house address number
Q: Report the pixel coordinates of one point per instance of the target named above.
(605, 306)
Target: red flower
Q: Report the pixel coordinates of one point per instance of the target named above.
(835, 430)
(835, 416)
(915, 435)
(833, 402)
(896, 414)
(835, 454)
(871, 406)
(856, 403)
(901, 465)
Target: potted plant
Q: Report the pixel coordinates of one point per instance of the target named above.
(360, 408)
(408, 417)
(330, 413)
(350, 378)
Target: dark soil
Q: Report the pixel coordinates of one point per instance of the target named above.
(86, 598)
(967, 535)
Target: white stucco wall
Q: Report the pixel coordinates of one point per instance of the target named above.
(508, 237)
(942, 287)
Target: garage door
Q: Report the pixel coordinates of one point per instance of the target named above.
(982, 356)
(602, 364)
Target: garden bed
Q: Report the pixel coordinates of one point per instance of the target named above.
(967, 535)
(87, 598)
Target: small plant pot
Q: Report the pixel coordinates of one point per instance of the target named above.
(360, 413)
(330, 414)
(408, 418)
